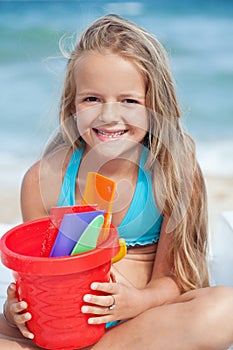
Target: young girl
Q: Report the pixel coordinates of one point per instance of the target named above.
(119, 116)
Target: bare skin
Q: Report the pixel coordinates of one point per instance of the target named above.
(190, 323)
(156, 314)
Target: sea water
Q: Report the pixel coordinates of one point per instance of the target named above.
(197, 35)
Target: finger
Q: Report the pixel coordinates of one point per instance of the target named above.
(100, 320)
(110, 288)
(106, 300)
(25, 332)
(89, 309)
(11, 291)
(18, 307)
(21, 319)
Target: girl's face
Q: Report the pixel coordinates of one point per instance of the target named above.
(110, 103)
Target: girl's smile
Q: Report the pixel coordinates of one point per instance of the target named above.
(110, 102)
(109, 135)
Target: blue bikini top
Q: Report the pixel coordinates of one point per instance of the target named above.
(142, 222)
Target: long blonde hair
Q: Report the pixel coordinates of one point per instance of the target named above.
(177, 180)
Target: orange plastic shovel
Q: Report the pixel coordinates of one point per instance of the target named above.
(100, 190)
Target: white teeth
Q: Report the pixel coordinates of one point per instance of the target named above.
(111, 134)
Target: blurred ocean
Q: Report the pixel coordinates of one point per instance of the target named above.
(197, 34)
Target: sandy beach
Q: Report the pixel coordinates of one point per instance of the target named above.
(220, 196)
(10, 204)
(219, 189)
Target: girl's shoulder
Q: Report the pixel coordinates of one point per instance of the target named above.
(42, 182)
(50, 165)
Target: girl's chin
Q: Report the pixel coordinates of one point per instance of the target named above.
(108, 148)
(111, 149)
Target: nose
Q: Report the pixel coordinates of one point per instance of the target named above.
(109, 113)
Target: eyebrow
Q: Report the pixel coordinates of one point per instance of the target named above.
(130, 93)
(133, 94)
(87, 92)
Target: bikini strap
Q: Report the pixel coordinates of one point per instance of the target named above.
(67, 193)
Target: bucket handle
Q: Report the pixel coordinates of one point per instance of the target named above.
(122, 251)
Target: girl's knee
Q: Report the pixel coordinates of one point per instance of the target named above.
(221, 294)
(211, 304)
(212, 316)
(218, 303)
(216, 294)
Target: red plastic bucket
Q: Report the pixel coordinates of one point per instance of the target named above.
(54, 287)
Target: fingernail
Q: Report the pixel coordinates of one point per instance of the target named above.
(90, 320)
(84, 309)
(23, 304)
(94, 285)
(30, 336)
(87, 297)
(28, 316)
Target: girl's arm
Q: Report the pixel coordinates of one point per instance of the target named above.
(32, 204)
(129, 300)
(162, 288)
(32, 207)
(39, 190)
(14, 312)
(42, 183)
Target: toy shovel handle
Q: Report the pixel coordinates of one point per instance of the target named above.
(122, 251)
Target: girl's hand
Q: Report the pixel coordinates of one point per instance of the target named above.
(14, 312)
(122, 301)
